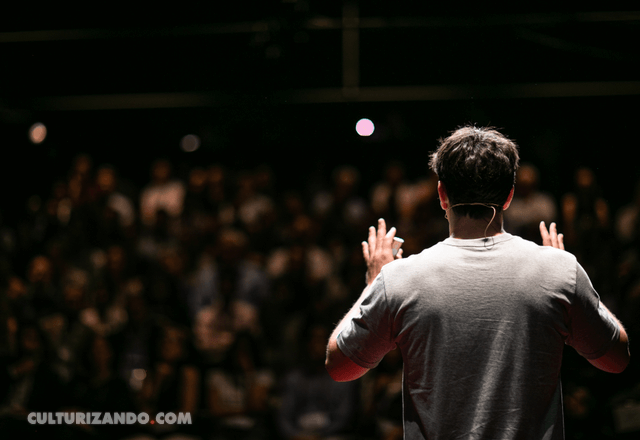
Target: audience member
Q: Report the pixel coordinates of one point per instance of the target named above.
(162, 193)
(530, 205)
(238, 285)
(340, 208)
(116, 212)
(386, 193)
(173, 382)
(238, 390)
(313, 406)
(588, 232)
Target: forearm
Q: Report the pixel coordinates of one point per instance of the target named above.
(339, 366)
(617, 358)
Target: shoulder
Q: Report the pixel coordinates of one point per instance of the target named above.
(547, 252)
(554, 268)
(546, 256)
(400, 275)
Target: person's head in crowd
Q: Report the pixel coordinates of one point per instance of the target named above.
(197, 180)
(161, 171)
(31, 340)
(346, 180)
(476, 165)
(82, 166)
(217, 183)
(244, 355)
(106, 179)
(231, 245)
(174, 260)
(264, 179)
(585, 178)
(292, 204)
(8, 332)
(245, 186)
(173, 344)
(15, 289)
(394, 173)
(98, 355)
(77, 190)
(117, 260)
(74, 290)
(40, 270)
(136, 303)
(305, 229)
(527, 179)
(313, 343)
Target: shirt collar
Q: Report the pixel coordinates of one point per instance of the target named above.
(478, 242)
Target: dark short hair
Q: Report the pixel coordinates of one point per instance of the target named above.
(476, 165)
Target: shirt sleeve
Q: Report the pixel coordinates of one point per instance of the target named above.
(593, 331)
(366, 338)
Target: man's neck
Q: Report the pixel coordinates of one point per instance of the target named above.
(464, 227)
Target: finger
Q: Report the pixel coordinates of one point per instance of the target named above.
(382, 229)
(365, 251)
(381, 238)
(386, 244)
(372, 240)
(553, 232)
(561, 241)
(399, 254)
(546, 240)
(388, 240)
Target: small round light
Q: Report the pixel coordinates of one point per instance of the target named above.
(139, 374)
(190, 143)
(365, 127)
(37, 133)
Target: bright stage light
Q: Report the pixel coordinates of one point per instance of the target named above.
(365, 127)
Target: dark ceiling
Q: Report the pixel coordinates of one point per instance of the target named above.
(280, 79)
(197, 59)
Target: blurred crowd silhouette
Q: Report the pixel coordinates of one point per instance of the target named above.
(212, 292)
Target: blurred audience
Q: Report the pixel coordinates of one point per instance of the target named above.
(211, 291)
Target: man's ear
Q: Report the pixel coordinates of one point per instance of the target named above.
(442, 195)
(509, 199)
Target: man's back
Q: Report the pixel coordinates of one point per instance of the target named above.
(481, 318)
(481, 325)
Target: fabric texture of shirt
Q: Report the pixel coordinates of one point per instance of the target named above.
(481, 325)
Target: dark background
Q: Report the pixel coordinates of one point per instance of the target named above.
(263, 82)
